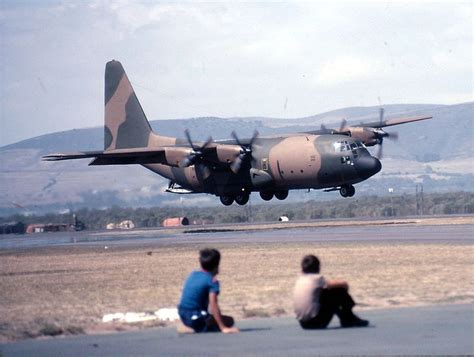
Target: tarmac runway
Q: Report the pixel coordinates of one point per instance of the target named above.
(433, 330)
(459, 233)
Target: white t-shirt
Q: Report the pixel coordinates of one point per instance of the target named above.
(306, 295)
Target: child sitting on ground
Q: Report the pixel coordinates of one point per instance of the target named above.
(200, 293)
(317, 300)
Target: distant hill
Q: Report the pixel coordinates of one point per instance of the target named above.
(437, 153)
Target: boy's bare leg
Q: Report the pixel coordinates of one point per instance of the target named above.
(182, 328)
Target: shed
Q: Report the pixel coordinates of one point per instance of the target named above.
(175, 222)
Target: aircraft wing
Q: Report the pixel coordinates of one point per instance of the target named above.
(391, 122)
(177, 156)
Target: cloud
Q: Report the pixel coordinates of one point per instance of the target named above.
(346, 69)
(226, 58)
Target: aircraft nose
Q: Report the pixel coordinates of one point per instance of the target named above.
(368, 166)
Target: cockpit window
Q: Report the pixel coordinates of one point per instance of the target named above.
(342, 146)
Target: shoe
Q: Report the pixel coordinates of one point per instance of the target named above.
(355, 322)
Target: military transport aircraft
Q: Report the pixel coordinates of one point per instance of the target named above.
(327, 159)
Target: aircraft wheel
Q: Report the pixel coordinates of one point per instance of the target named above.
(226, 200)
(347, 191)
(242, 198)
(352, 191)
(266, 195)
(281, 195)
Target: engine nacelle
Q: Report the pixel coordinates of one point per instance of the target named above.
(369, 136)
(175, 155)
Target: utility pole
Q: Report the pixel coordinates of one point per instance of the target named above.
(390, 191)
(417, 203)
(422, 201)
(419, 199)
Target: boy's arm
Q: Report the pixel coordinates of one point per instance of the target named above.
(216, 313)
(333, 284)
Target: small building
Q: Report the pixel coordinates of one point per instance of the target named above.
(127, 224)
(175, 222)
(49, 227)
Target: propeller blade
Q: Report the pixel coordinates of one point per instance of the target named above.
(236, 164)
(380, 152)
(206, 171)
(254, 136)
(381, 112)
(190, 141)
(343, 125)
(187, 161)
(236, 138)
(207, 143)
(393, 136)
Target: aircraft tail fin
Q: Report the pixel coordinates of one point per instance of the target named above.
(126, 125)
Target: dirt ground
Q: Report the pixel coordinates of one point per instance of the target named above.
(67, 290)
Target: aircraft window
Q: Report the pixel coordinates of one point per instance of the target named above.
(353, 146)
(348, 148)
(337, 147)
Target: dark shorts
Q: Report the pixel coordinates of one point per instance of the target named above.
(199, 321)
(332, 302)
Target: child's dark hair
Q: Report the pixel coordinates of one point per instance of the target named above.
(310, 264)
(209, 259)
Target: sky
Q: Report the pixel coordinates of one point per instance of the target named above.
(227, 59)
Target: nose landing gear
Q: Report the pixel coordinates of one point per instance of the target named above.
(347, 191)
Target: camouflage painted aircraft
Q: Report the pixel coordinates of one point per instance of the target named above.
(327, 159)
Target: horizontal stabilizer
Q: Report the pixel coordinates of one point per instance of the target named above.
(115, 157)
(71, 156)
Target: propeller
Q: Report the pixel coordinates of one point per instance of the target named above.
(245, 152)
(196, 153)
(381, 134)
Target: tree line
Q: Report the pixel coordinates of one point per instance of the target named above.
(356, 207)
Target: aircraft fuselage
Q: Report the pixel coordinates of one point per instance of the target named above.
(285, 163)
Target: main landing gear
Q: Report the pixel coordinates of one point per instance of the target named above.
(347, 191)
(279, 195)
(240, 199)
